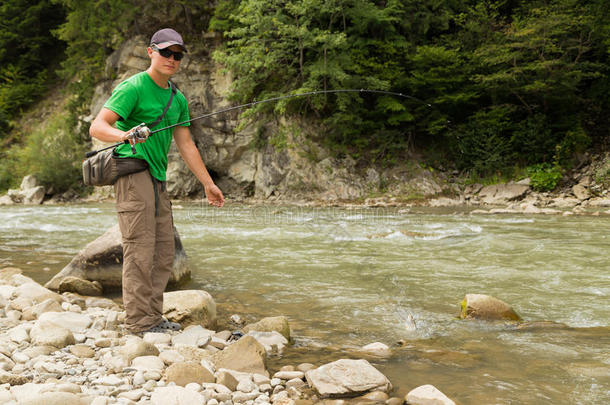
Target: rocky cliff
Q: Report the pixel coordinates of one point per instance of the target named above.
(275, 159)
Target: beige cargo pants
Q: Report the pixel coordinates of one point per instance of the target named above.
(145, 220)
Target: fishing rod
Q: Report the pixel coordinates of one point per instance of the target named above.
(142, 131)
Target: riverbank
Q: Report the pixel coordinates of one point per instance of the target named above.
(73, 349)
(582, 191)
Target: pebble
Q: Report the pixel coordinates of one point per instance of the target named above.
(289, 375)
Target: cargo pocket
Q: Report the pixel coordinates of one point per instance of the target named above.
(132, 219)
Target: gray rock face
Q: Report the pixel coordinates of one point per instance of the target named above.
(502, 193)
(102, 261)
(481, 306)
(427, 395)
(190, 307)
(344, 378)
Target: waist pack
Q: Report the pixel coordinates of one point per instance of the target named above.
(106, 167)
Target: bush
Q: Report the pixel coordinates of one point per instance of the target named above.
(544, 177)
(53, 154)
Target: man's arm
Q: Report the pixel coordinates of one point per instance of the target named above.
(103, 128)
(191, 156)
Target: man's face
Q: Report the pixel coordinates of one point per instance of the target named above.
(165, 65)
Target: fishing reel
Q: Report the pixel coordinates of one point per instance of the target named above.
(138, 134)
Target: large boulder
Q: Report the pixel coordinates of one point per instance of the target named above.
(102, 260)
(270, 324)
(245, 355)
(480, 306)
(427, 395)
(34, 195)
(502, 193)
(347, 378)
(190, 307)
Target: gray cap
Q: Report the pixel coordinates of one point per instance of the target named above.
(167, 37)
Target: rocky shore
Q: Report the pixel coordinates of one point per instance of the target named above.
(71, 349)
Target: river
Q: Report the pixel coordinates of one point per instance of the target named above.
(349, 277)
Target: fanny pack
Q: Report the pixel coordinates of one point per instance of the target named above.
(104, 168)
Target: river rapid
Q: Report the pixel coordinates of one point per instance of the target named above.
(349, 277)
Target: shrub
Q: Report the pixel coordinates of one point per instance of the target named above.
(544, 177)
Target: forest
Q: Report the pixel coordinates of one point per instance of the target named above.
(497, 87)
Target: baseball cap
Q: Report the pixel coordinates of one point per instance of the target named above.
(167, 37)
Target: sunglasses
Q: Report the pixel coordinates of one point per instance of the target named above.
(166, 53)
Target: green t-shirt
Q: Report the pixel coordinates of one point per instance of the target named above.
(140, 100)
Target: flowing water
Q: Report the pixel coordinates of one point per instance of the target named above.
(346, 278)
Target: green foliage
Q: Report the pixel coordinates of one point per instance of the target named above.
(53, 153)
(27, 51)
(544, 176)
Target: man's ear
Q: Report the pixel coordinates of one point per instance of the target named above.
(149, 51)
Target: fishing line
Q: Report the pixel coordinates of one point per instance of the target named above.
(268, 100)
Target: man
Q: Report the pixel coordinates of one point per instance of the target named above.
(142, 203)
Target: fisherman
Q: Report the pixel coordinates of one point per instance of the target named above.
(142, 202)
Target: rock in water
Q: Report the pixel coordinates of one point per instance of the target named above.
(480, 306)
(102, 260)
(344, 378)
(427, 395)
(190, 307)
(270, 324)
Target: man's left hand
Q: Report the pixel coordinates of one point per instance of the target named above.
(215, 196)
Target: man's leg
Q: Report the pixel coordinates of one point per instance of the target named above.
(164, 249)
(136, 211)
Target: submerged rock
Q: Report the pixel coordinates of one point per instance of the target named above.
(427, 395)
(344, 378)
(480, 306)
(102, 260)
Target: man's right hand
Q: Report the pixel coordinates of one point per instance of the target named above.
(132, 138)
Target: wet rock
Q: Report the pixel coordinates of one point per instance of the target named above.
(305, 367)
(347, 378)
(102, 261)
(273, 342)
(46, 333)
(427, 395)
(270, 324)
(245, 355)
(377, 349)
(190, 307)
(80, 286)
(480, 306)
(498, 194)
(188, 372)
